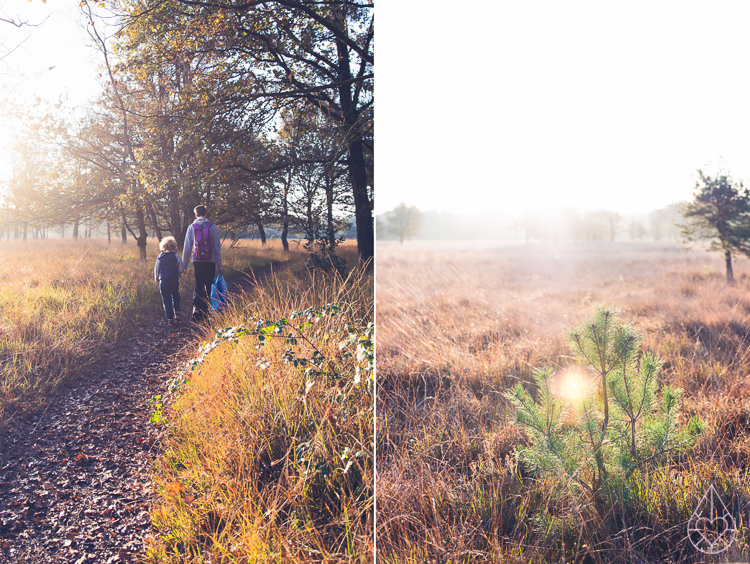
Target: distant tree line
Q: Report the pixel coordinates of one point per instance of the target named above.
(407, 222)
(719, 214)
(600, 225)
(262, 111)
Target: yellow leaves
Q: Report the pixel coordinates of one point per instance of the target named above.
(175, 489)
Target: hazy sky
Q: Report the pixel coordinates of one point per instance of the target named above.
(511, 106)
(54, 56)
(51, 59)
(505, 107)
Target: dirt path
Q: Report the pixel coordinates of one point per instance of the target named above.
(75, 483)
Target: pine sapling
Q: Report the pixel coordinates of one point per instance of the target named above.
(618, 426)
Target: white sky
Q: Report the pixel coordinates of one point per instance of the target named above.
(52, 59)
(58, 40)
(503, 107)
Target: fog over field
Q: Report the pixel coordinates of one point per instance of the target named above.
(566, 224)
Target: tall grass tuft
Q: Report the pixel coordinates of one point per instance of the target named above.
(270, 450)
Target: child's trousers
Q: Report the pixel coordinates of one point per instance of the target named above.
(170, 294)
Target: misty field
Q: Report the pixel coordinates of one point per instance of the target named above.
(460, 324)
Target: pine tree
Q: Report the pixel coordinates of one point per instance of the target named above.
(617, 428)
(720, 213)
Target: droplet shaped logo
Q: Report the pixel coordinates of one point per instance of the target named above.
(711, 527)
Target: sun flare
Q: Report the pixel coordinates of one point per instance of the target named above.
(572, 385)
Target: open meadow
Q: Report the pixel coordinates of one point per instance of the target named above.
(459, 324)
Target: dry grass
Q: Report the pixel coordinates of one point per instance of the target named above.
(252, 255)
(458, 324)
(60, 302)
(63, 301)
(268, 459)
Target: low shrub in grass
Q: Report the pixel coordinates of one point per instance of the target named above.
(269, 455)
(598, 438)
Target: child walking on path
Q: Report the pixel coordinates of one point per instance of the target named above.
(167, 273)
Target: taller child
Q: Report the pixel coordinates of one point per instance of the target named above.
(203, 248)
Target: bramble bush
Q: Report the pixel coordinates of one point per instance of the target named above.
(269, 455)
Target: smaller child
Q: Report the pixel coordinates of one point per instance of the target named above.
(167, 273)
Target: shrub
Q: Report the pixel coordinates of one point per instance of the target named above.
(597, 424)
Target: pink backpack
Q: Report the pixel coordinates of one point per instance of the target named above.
(202, 248)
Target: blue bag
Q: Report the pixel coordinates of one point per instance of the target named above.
(218, 292)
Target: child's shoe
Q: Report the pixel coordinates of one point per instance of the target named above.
(170, 322)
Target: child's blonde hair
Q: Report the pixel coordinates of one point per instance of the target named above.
(168, 244)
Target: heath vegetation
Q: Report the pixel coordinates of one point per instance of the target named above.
(64, 302)
(486, 392)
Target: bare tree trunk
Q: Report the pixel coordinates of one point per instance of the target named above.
(329, 211)
(75, 229)
(355, 157)
(140, 219)
(261, 233)
(285, 217)
(109, 234)
(309, 220)
(287, 186)
(728, 259)
(188, 214)
(176, 224)
(152, 216)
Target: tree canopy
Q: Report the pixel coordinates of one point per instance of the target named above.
(262, 111)
(403, 221)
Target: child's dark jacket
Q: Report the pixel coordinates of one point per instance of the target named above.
(167, 267)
